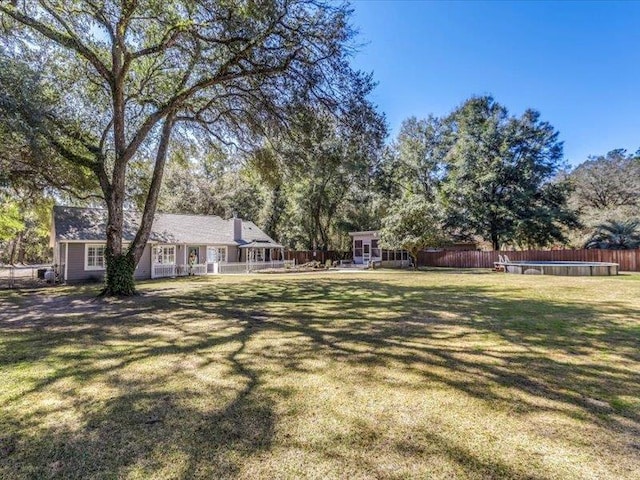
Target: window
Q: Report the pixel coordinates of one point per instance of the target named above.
(357, 248)
(216, 254)
(375, 251)
(94, 257)
(164, 254)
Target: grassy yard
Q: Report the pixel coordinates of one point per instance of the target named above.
(440, 374)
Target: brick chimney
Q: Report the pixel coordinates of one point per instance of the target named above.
(237, 228)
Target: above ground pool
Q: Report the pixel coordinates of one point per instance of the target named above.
(573, 269)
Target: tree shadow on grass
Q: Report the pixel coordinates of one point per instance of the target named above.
(538, 349)
(145, 424)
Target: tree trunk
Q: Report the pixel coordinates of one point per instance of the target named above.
(21, 252)
(146, 222)
(273, 221)
(495, 241)
(15, 248)
(414, 257)
(121, 265)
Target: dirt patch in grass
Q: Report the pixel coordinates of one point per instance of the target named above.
(384, 375)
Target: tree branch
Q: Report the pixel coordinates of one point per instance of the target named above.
(168, 41)
(68, 41)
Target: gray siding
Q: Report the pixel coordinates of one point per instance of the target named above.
(232, 254)
(76, 272)
(75, 268)
(143, 269)
(181, 254)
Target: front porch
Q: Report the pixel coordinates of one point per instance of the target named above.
(183, 260)
(172, 271)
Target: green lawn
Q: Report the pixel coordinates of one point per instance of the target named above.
(439, 374)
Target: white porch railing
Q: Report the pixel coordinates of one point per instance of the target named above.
(163, 270)
(169, 270)
(253, 266)
(235, 267)
(199, 269)
(269, 265)
(166, 270)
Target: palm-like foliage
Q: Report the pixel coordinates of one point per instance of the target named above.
(616, 235)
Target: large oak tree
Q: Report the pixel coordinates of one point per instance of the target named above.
(501, 176)
(127, 73)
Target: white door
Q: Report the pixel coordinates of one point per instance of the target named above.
(366, 253)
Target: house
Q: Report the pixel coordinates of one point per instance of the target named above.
(366, 250)
(178, 245)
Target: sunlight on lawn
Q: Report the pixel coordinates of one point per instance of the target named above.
(435, 374)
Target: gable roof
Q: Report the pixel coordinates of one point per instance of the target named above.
(90, 224)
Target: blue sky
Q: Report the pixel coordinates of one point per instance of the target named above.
(578, 63)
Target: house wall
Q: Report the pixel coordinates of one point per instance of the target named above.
(232, 254)
(143, 270)
(75, 266)
(182, 252)
(181, 255)
(76, 272)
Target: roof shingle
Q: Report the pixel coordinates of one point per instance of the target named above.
(77, 224)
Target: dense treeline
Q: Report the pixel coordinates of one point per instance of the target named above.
(478, 174)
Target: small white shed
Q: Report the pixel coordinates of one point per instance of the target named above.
(366, 249)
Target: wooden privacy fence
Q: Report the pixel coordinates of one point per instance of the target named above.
(629, 260)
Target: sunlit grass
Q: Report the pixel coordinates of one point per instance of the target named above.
(438, 374)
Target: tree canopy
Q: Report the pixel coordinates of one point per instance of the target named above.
(128, 72)
(607, 182)
(501, 171)
(494, 175)
(412, 224)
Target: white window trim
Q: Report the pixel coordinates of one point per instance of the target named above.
(218, 247)
(154, 257)
(88, 268)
